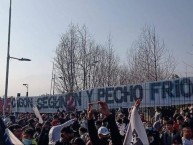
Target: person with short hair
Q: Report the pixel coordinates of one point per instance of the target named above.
(66, 136)
(98, 124)
(16, 130)
(31, 123)
(169, 133)
(27, 137)
(187, 136)
(38, 128)
(75, 126)
(158, 114)
(157, 126)
(55, 121)
(82, 131)
(179, 123)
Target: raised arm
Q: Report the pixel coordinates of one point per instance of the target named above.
(91, 127)
(114, 131)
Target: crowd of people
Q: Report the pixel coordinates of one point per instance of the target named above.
(99, 127)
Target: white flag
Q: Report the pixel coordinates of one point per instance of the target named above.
(136, 134)
(14, 140)
(37, 113)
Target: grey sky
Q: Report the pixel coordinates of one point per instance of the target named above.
(38, 24)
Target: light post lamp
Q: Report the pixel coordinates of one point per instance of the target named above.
(26, 85)
(85, 69)
(54, 83)
(92, 64)
(21, 59)
(8, 58)
(7, 77)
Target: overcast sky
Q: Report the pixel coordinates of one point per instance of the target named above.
(37, 26)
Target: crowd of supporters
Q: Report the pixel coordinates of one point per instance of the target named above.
(100, 127)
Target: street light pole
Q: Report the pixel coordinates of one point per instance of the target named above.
(54, 83)
(8, 57)
(26, 85)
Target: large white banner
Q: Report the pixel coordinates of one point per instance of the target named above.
(160, 93)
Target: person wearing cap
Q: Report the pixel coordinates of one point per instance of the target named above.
(103, 134)
(100, 137)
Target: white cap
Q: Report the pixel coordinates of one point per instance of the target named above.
(103, 130)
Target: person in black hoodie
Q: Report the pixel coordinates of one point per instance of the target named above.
(43, 137)
(38, 128)
(114, 132)
(75, 126)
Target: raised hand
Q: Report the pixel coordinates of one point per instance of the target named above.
(104, 108)
(89, 112)
(138, 102)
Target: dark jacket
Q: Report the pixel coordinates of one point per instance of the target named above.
(167, 138)
(62, 143)
(2, 131)
(43, 137)
(114, 132)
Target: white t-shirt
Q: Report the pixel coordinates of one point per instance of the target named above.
(54, 133)
(186, 141)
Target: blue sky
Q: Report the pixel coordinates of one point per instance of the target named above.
(37, 26)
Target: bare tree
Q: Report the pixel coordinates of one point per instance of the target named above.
(76, 60)
(81, 64)
(66, 61)
(86, 61)
(107, 66)
(150, 58)
(124, 75)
